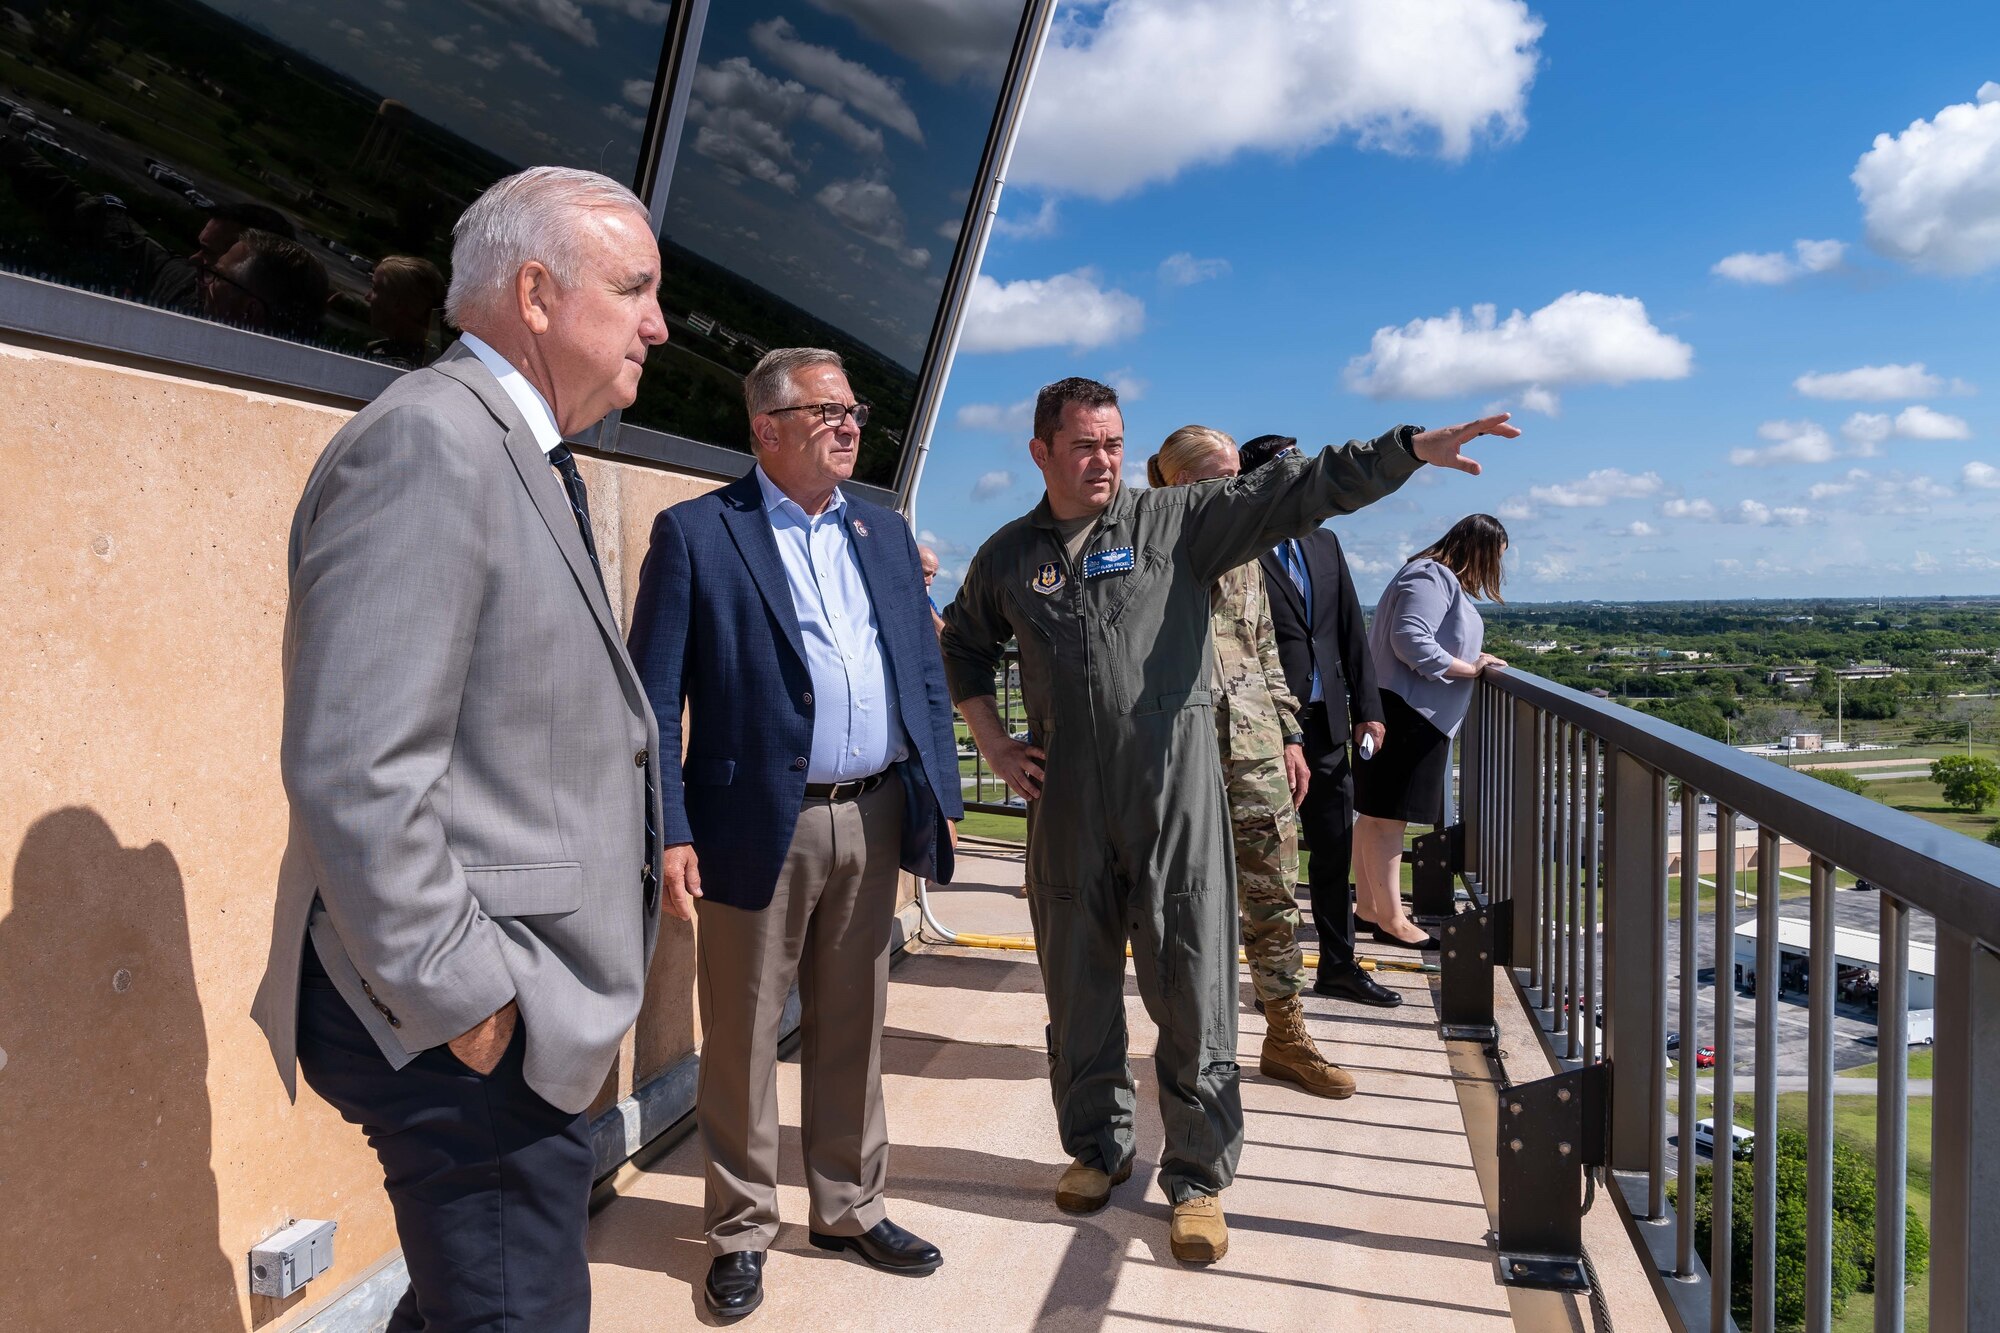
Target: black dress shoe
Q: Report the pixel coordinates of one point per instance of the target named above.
(735, 1284)
(1351, 983)
(1428, 942)
(887, 1246)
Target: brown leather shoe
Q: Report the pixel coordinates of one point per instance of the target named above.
(1085, 1189)
(1290, 1055)
(1199, 1235)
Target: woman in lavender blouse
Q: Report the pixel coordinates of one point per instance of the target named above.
(1425, 643)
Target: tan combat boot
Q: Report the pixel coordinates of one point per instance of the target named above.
(1199, 1235)
(1085, 1189)
(1289, 1053)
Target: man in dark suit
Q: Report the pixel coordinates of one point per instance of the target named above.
(1323, 646)
(790, 620)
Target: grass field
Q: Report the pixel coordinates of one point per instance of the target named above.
(1919, 796)
(1921, 1065)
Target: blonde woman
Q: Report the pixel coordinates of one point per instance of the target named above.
(1257, 730)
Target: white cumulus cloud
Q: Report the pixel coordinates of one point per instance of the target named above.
(1791, 442)
(1598, 489)
(1980, 477)
(1930, 196)
(1757, 514)
(1915, 422)
(1876, 383)
(1008, 418)
(1578, 338)
(1641, 528)
(1770, 268)
(1184, 270)
(1695, 509)
(1114, 106)
(1068, 310)
(991, 484)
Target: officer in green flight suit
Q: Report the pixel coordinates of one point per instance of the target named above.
(1106, 591)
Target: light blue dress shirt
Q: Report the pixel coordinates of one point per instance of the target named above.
(857, 728)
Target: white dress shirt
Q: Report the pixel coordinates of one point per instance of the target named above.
(857, 728)
(541, 421)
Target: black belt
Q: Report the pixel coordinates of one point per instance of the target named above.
(845, 791)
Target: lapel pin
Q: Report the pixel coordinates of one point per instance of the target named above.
(860, 528)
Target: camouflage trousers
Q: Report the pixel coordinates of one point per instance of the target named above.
(1266, 831)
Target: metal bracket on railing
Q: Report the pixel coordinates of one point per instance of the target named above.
(1470, 945)
(1435, 859)
(1550, 1131)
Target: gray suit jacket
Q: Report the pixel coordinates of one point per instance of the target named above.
(466, 745)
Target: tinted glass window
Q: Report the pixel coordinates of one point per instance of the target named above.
(145, 138)
(819, 187)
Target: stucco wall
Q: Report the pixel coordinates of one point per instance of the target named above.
(145, 1141)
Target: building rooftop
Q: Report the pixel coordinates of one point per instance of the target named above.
(1858, 948)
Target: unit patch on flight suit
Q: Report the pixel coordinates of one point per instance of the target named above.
(1117, 560)
(1048, 579)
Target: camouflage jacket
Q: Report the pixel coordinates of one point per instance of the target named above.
(1254, 711)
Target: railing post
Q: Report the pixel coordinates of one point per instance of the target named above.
(1523, 883)
(1965, 1138)
(1892, 1115)
(1472, 749)
(1635, 912)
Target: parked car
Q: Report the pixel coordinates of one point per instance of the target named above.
(197, 198)
(1741, 1140)
(1673, 1041)
(1704, 1057)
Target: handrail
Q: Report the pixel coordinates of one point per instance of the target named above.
(1564, 808)
(1952, 877)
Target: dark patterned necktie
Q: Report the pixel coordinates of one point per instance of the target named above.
(564, 462)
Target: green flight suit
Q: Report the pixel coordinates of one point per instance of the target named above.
(1131, 836)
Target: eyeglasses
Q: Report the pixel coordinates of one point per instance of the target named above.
(831, 414)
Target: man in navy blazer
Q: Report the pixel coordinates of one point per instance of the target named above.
(790, 619)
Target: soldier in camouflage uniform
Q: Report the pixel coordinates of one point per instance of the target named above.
(1260, 735)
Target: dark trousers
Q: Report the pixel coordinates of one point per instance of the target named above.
(489, 1183)
(1327, 820)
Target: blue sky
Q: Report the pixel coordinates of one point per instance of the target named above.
(1756, 349)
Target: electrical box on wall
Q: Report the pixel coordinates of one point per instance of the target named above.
(287, 1259)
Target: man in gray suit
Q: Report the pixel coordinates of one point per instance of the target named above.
(469, 897)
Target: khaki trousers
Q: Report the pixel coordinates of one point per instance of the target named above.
(828, 928)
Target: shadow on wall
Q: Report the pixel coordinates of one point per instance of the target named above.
(108, 1207)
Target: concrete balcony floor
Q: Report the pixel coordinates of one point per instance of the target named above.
(1358, 1215)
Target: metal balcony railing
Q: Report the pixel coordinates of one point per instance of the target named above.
(1564, 806)
(984, 791)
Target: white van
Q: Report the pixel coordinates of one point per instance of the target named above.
(1741, 1140)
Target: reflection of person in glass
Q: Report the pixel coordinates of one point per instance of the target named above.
(226, 225)
(240, 272)
(402, 296)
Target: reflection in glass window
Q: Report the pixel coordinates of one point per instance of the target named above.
(295, 166)
(823, 175)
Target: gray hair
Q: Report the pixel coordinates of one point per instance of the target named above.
(530, 215)
(767, 384)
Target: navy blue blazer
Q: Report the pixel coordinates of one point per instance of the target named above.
(714, 628)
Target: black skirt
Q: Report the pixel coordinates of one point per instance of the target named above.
(1405, 780)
